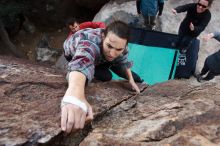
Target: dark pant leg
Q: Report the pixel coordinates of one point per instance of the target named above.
(103, 73)
(152, 21)
(209, 76)
(179, 38)
(186, 42)
(184, 39)
(121, 73)
(147, 22)
(205, 68)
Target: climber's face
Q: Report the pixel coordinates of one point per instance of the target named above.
(113, 46)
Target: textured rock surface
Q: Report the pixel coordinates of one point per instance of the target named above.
(29, 102)
(176, 113)
(30, 99)
(122, 10)
(103, 97)
(181, 112)
(172, 113)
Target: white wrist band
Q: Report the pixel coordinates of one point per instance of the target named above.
(74, 100)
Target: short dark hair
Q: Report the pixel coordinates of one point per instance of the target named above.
(71, 21)
(119, 28)
(210, 2)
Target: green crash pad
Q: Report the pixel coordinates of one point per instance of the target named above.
(154, 60)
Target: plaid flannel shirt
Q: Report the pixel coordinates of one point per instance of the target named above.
(84, 48)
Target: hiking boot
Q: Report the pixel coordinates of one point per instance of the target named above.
(207, 78)
(199, 78)
(153, 27)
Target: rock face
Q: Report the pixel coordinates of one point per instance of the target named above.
(178, 112)
(29, 102)
(56, 12)
(175, 113)
(45, 53)
(119, 10)
(172, 113)
(93, 6)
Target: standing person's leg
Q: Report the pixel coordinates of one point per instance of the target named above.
(180, 36)
(153, 22)
(185, 43)
(204, 71)
(121, 73)
(147, 21)
(209, 76)
(103, 73)
(205, 68)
